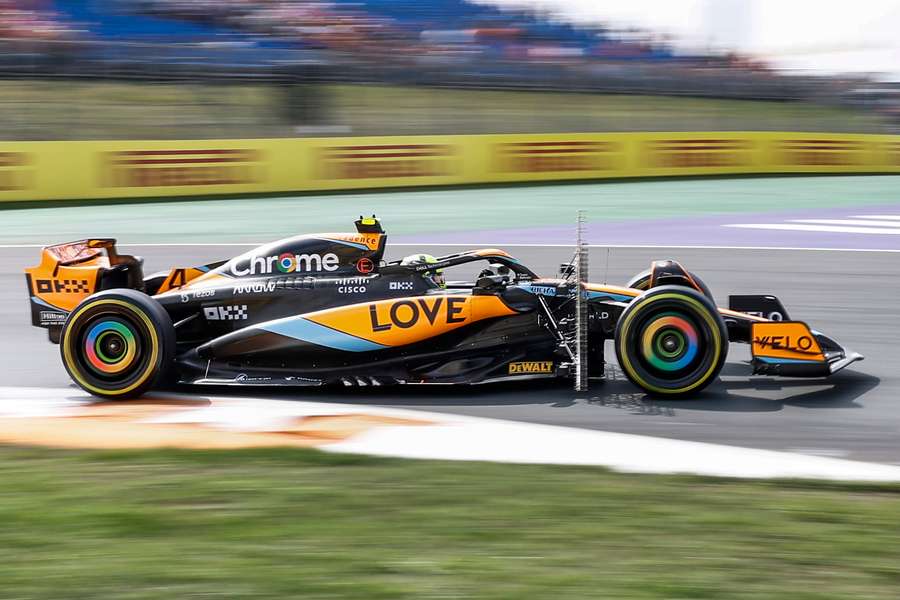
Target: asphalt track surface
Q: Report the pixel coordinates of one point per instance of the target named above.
(851, 296)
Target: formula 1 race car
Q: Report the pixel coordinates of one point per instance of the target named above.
(326, 309)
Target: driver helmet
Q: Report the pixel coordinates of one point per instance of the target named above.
(437, 275)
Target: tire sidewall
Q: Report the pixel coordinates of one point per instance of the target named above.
(642, 280)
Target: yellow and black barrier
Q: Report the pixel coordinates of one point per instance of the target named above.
(123, 169)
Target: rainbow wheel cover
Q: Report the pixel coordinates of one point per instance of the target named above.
(669, 342)
(110, 347)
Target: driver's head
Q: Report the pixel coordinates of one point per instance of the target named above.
(437, 275)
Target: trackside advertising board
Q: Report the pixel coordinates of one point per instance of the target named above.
(161, 168)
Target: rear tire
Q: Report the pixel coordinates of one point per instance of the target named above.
(118, 344)
(671, 341)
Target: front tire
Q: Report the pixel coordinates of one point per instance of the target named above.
(117, 344)
(671, 341)
(641, 281)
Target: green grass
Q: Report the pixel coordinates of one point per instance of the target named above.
(290, 523)
(46, 110)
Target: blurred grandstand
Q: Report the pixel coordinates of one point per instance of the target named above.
(283, 67)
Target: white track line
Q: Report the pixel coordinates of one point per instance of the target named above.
(510, 442)
(885, 217)
(457, 437)
(480, 245)
(856, 222)
(818, 228)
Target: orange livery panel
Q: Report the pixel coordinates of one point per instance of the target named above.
(178, 278)
(785, 341)
(403, 321)
(66, 275)
(371, 241)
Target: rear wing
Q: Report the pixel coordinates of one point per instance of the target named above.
(70, 272)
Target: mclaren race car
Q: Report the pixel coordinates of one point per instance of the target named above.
(326, 309)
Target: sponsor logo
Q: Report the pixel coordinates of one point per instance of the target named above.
(255, 287)
(772, 316)
(802, 343)
(407, 313)
(160, 168)
(195, 294)
(784, 340)
(369, 240)
(352, 281)
(304, 379)
(822, 152)
(685, 154)
(63, 286)
(543, 290)
(13, 174)
(365, 266)
(401, 285)
(893, 151)
(52, 318)
(388, 160)
(558, 156)
(285, 263)
(352, 285)
(529, 367)
(225, 313)
(244, 378)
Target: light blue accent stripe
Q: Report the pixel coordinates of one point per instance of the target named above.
(788, 360)
(590, 294)
(538, 289)
(308, 331)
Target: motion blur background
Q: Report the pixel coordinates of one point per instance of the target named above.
(700, 87)
(164, 69)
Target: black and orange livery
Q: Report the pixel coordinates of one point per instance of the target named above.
(68, 273)
(327, 309)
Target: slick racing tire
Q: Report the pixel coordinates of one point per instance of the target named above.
(117, 344)
(641, 281)
(671, 341)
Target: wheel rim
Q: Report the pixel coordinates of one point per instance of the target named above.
(111, 347)
(669, 342)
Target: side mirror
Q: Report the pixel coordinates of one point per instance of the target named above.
(500, 269)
